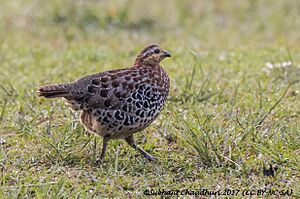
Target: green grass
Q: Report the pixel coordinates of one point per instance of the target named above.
(227, 118)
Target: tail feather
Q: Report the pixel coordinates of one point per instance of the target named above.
(53, 91)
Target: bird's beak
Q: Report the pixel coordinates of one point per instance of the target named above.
(166, 54)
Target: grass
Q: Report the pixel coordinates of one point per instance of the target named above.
(233, 108)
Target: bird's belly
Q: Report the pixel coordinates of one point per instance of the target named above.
(91, 124)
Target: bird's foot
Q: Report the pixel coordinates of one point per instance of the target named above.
(150, 157)
(99, 161)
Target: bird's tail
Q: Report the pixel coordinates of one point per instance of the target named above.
(53, 91)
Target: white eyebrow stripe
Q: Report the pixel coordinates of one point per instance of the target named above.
(151, 50)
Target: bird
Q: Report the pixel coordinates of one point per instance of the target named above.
(116, 104)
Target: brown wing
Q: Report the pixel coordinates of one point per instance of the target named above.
(108, 90)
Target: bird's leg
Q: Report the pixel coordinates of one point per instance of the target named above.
(105, 140)
(95, 148)
(130, 140)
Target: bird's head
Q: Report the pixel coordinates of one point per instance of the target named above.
(151, 55)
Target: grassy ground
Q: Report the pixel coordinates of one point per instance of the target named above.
(233, 108)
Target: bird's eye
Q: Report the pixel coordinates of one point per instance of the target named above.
(157, 51)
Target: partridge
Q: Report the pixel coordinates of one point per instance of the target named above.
(118, 103)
